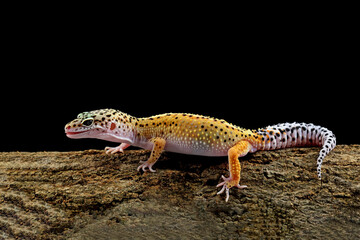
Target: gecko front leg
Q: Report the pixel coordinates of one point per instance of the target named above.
(240, 149)
(158, 148)
(119, 148)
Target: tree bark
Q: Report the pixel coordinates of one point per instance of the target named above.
(93, 195)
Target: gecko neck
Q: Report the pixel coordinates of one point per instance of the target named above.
(121, 128)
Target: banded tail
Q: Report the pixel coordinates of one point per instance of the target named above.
(288, 135)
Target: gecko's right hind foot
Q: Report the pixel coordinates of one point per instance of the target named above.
(227, 184)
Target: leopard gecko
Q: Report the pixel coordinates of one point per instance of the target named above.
(197, 135)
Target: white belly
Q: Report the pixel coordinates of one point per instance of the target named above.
(193, 148)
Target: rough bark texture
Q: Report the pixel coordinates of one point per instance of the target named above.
(91, 195)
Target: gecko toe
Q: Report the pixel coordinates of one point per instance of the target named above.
(222, 183)
(227, 194)
(222, 189)
(151, 170)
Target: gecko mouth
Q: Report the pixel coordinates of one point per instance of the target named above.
(74, 133)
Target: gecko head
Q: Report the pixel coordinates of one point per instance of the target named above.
(105, 124)
(84, 126)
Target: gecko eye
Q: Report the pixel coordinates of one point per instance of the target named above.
(88, 122)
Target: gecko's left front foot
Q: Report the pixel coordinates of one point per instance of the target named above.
(145, 165)
(227, 184)
(159, 144)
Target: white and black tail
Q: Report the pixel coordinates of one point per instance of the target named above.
(288, 135)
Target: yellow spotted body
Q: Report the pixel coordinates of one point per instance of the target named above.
(197, 135)
(193, 134)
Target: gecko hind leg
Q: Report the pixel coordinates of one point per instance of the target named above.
(238, 150)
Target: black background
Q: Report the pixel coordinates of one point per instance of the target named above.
(251, 73)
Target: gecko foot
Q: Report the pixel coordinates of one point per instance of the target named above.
(113, 150)
(227, 184)
(119, 148)
(145, 165)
